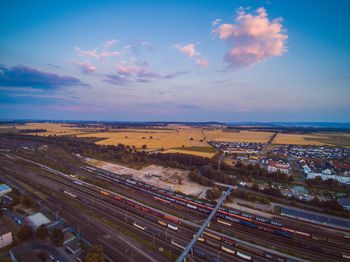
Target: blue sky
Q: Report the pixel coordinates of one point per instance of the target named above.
(175, 60)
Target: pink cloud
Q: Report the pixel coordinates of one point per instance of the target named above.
(106, 54)
(110, 43)
(139, 71)
(202, 62)
(85, 67)
(189, 49)
(253, 38)
(216, 21)
(87, 53)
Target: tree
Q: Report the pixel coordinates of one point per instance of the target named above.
(95, 254)
(25, 232)
(41, 232)
(43, 255)
(27, 201)
(57, 237)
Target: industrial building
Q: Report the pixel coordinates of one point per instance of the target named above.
(37, 220)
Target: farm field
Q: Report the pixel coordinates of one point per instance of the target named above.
(154, 139)
(241, 136)
(52, 129)
(332, 139)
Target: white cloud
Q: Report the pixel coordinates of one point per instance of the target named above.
(252, 38)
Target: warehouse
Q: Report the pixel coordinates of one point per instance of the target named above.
(37, 220)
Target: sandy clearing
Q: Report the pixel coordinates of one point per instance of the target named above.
(163, 177)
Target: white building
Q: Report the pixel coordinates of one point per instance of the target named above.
(37, 220)
(274, 166)
(5, 235)
(341, 179)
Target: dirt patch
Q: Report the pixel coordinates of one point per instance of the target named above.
(171, 179)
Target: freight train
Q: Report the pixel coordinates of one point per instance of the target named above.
(223, 213)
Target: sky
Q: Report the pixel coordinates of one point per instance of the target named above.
(227, 61)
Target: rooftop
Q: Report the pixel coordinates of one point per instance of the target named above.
(38, 219)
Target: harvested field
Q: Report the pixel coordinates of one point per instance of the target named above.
(158, 176)
(332, 139)
(153, 139)
(242, 136)
(52, 129)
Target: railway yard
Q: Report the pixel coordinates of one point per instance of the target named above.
(135, 221)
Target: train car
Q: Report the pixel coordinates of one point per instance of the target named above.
(346, 256)
(138, 226)
(200, 239)
(220, 215)
(246, 223)
(78, 182)
(229, 241)
(151, 231)
(191, 206)
(244, 256)
(228, 250)
(70, 194)
(104, 193)
(266, 229)
(175, 220)
(162, 223)
(199, 254)
(223, 222)
(306, 235)
(177, 244)
(232, 219)
(151, 219)
(284, 234)
(250, 249)
(212, 244)
(172, 227)
(212, 235)
(184, 233)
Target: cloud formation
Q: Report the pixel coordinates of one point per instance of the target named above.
(253, 38)
(202, 62)
(103, 54)
(23, 76)
(139, 71)
(189, 49)
(87, 53)
(216, 22)
(85, 67)
(110, 43)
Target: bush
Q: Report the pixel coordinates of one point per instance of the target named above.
(43, 255)
(41, 232)
(57, 237)
(25, 232)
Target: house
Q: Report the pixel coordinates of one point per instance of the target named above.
(5, 235)
(274, 166)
